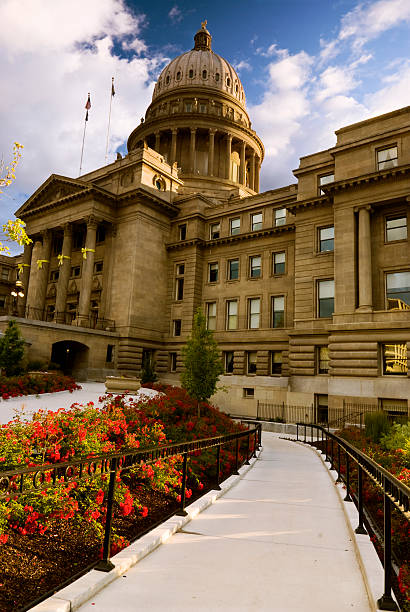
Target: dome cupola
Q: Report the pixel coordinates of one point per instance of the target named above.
(202, 39)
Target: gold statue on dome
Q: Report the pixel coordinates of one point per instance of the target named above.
(204, 24)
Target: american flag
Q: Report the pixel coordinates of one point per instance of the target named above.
(87, 107)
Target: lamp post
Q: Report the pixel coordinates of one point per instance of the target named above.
(16, 292)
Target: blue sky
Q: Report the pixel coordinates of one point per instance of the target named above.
(308, 68)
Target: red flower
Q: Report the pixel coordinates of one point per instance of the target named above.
(144, 511)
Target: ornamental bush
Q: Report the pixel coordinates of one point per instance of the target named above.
(376, 425)
(11, 350)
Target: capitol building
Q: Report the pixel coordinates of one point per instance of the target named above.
(306, 286)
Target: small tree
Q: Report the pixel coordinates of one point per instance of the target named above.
(148, 374)
(11, 350)
(202, 364)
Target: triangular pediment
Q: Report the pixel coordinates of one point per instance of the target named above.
(55, 188)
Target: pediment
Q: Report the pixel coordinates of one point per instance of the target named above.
(55, 188)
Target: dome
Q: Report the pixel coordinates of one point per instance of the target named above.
(200, 67)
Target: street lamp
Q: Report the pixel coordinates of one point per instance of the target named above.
(18, 290)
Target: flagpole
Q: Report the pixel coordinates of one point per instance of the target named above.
(87, 107)
(109, 119)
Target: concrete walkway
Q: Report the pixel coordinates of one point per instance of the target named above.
(278, 540)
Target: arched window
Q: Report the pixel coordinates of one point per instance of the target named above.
(204, 74)
(217, 76)
(236, 88)
(228, 82)
(191, 74)
(167, 79)
(178, 75)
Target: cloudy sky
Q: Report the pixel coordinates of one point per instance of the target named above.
(308, 68)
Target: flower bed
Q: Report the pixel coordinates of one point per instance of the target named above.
(35, 384)
(32, 524)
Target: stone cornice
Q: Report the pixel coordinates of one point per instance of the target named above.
(171, 209)
(366, 179)
(96, 192)
(309, 203)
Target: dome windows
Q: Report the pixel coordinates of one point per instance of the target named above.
(228, 82)
(204, 74)
(236, 88)
(191, 73)
(167, 79)
(178, 77)
(217, 77)
(159, 182)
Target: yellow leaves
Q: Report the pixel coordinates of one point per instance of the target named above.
(13, 230)
(8, 171)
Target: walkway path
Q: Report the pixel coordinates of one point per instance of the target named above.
(276, 541)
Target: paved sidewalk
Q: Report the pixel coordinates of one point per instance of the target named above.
(277, 541)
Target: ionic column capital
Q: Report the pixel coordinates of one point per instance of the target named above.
(366, 207)
(92, 222)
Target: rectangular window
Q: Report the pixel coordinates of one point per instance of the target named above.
(234, 226)
(182, 231)
(323, 360)
(326, 239)
(179, 282)
(213, 272)
(98, 267)
(255, 266)
(394, 407)
(75, 271)
(100, 237)
(109, 358)
(211, 315)
(2, 301)
(5, 273)
(325, 180)
(254, 312)
(280, 217)
(279, 263)
(54, 274)
(57, 245)
(177, 324)
(215, 231)
(233, 269)
(78, 238)
(387, 158)
(251, 362)
(173, 362)
(326, 298)
(276, 363)
(188, 107)
(396, 229)
(50, 312)
(232, 314)
(229, 362)
(278, 311)
(394, 359)
(398, 290)
(202, 108)
(248, 392)
(256, 222)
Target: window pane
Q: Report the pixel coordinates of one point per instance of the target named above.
(232, 314)
(323, 360)
(387, 155)
(229, 362)
(280, 216)
(235, 226)
(394, 359)
(279, 303)
(255, 266)
(326, 289)
(211, 315)
(325, 180)
(213, 272)
(326, 307)
(276, 362)
(215, 230)
(279, 262)
(396, 229)
(326, 239)
(398, 290)
(257, 222)
(252, 362)
(278, 311)
(233, 273)
(254, 310)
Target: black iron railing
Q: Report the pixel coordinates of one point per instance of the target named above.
(394, 491)
(17, 482)
(69, 317)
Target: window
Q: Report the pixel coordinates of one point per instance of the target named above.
(173, 362)
(279, 263)
(326, 298)
(233, 269)
(251, 362)
(280, 217)
(78, 238)
(109, 358)
(398, 290)
(179, 282)
(54, 274)
(100, 233)
(322, 407)
(256, 222)
(178, 77)
(211, 315)
(394, 407)
(191, 74)
(3, 301)
(229, 362)
(75, 271)
(394, 359)
(213, 272)
(248, 392)
(228, 82)
(278, 311)
(204, 74)
(326, 239)
(323, 360)
(50, 311)
(182, 231)
(232, 314)
(396, 229)
(234, 226)
(5, 273)
(217, 76)
(167, 79)
(387, 158)
(255, 266)
(57, 245)
(188, 107)
(202, 108)
(276, 363)
(325, 180)
(98, 267)
(254, 311)
(215, 230)
(177, 324)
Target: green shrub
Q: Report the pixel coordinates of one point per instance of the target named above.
(12, 350)
(36, 365)
(398, 439)
(376, 425)
(148, 374)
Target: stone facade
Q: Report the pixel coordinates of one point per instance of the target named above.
(307, 286)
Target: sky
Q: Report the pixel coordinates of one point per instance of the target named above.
(308, 68)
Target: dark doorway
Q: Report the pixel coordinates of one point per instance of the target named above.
(72, 357)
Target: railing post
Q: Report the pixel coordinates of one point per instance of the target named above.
(105, 565)
(254, 444)
(347, 497)
(236, 473)
(260, 435)
(322, 440)
(297, 432)
(247, 450)
(326, 456)
(360, 528)
(331, 454)
(305, 433)
(386, 602)
(218, 467)
(339, 473)
(182, 511)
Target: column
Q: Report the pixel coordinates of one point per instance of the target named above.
(252, 171)
(257, 170)
(174, 132)
(211, 151)
(64, 275)
(106, 293)
(192, 151)
(43, 271)
(157, 141)
(242, 172)
(24, 276)
(87, 272)
(228, 156)
(365, 259)
(32, 289)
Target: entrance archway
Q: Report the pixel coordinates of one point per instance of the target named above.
(72, 357)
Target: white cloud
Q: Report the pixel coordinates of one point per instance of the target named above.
(334, 81)
(50, 60)
(175, 14)
(243, 66)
